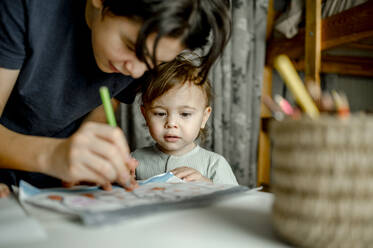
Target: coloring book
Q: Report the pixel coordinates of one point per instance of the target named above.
(96, 206)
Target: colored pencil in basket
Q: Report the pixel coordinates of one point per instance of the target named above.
(327, 103)
(284, 66)
(273, 107)
(284, 105)
(341, 104)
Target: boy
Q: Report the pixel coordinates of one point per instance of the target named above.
(55, 55)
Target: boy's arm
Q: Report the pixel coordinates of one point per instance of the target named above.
(8, 79)
(19, 151)
(95, 153)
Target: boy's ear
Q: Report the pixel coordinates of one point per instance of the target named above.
(97, 3)
(206, 115)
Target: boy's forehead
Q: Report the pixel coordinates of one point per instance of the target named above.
(167, 48)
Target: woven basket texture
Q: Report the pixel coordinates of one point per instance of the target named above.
(323, 181)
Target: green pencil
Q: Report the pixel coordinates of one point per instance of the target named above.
(105, 97)
(110, 117)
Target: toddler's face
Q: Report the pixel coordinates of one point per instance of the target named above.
(175, 118)
(114, 39)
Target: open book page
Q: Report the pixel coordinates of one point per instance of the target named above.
(96, 206)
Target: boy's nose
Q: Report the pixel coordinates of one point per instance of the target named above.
(135, 67)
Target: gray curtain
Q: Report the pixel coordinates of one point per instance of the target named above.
(236, 79)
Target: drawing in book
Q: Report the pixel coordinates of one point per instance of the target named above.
(163, 189)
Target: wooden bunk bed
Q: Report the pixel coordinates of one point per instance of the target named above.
(350, 29)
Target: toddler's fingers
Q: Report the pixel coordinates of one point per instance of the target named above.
(184, 173)
(189, 179)
(197, 177)
(193, 177)
(179, 170)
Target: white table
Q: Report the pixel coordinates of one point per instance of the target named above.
(241, 221)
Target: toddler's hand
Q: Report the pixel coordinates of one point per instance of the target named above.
(189, 174)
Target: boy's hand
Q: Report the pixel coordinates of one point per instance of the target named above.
(96, 153)
(4, 190)
(66, 184)
(189, 174)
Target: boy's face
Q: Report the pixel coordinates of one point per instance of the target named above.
(175, 118)
(114, 39)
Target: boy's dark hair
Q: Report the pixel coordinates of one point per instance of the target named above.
(188, 20)
(175, 73)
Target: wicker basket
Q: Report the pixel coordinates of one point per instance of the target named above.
(323, 181)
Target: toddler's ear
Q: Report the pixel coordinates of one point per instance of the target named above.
(143, 112)
(206, 115)
(142, 108)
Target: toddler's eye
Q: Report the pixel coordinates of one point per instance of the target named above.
(186, 114)
(161, 114)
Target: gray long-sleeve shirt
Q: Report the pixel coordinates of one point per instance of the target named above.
(152, 162)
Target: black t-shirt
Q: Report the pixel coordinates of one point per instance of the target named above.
(59, 81)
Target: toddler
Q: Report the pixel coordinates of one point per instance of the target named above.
(176, 107)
